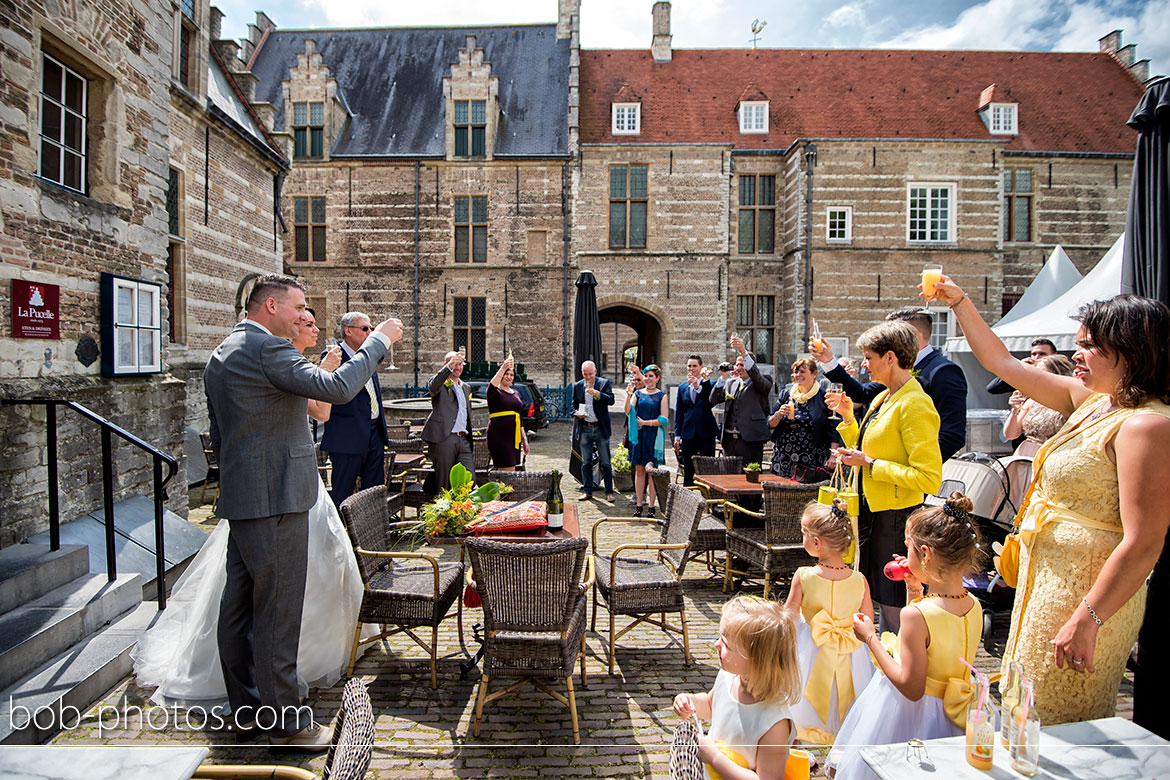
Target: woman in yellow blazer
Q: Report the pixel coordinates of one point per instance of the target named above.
(897, 450)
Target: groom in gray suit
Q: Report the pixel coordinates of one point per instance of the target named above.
(257, 384)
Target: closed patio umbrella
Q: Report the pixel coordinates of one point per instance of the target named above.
(1146, 271)
(586, 346)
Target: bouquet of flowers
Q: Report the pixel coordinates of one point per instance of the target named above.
(458, 505)
(621, 460)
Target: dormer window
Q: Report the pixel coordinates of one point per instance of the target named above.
(627, 118)
(1001, 118)
(753, 117)
(470, 125)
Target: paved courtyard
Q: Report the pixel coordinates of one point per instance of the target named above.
(626, 721)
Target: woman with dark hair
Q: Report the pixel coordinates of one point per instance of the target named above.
(896, 447)
(1090, 528)
(801, 430)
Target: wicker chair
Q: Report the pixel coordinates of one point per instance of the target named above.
(647, 589)
(324, 465)
(349, 753)
(534, 608)
(399, 431)
(403, 589)
(416, 484)
(723, 464)
(212, 468)
(777, 548)
(710, 534)
(481, 456)
(523, 483)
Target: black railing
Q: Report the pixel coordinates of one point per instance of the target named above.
(108, 429)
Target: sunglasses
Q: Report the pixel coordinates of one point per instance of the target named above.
(363, 328)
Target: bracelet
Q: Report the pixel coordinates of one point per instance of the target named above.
(1092, 612)
(956, 303)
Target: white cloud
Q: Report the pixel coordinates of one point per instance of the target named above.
(994, 24)
(849, 15)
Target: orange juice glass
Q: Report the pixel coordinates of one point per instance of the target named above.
(931, 274)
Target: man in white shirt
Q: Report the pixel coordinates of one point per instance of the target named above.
(448, 428)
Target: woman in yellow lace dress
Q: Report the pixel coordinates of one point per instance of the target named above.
(1091, 526)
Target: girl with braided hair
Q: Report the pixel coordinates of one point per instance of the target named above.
(834, 665)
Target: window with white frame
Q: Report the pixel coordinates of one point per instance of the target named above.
(930, 213)
(839, 223)
(131, 326)
(1003, 118)
(64, 94)
(940, 330)
(753, 117)
(627, 118)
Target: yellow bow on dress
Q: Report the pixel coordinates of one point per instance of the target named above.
(956, 694)
(835, 642)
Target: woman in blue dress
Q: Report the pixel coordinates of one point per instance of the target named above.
(648, 410)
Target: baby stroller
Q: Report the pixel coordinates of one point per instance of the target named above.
(989, 484)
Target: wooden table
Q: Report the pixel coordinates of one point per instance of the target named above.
(736, 485)
(1090, 750)
(407, 460)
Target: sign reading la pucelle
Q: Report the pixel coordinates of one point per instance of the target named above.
(36, 310)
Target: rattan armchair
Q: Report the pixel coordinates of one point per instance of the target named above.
(646, 589)
(534, 607)
(777, 549)
(710, 534)
(722, 464)
(415, 484)
(523, 483)
(405, 590)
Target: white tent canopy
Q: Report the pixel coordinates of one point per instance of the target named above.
(1057, 277)
(1054, 321)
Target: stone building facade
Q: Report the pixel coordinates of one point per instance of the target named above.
(101, 104)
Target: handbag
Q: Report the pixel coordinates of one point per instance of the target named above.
(1007, 563)
(686, 765)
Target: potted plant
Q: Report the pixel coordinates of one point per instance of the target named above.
(752, 471)
(456, 506)
(623, 480)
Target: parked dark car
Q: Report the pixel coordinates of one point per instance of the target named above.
(533, 417)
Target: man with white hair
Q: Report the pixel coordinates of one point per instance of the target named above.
(592, 397)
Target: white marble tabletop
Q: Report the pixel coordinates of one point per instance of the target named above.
(59, 762)
(1108, 749)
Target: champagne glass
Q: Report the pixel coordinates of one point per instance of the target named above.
(836, 390)
(818, 342)
(390, 353)
(931, 274)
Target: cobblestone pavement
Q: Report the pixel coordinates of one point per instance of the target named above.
(626, 721)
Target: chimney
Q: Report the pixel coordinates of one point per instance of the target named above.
(1127, 54)
(660, 47)
(215, 26)
(568, 17)
(1111, 42)
(1141, 70)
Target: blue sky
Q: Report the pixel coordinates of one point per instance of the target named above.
(1036, 25)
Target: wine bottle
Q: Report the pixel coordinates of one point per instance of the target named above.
(556, 503)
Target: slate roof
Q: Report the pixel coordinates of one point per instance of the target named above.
(1067, 102)
(391, 81)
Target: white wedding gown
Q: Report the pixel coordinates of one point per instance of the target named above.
(179, 654)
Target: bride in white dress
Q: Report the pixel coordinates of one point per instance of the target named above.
(179, 653)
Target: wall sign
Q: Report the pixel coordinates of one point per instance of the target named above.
(131, 326)
(36, 310)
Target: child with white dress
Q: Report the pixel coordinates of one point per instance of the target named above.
(751, 725)
(834, 666)
(926, 689)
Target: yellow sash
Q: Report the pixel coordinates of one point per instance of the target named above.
(956, 694)
(835, 642)
(514, 414)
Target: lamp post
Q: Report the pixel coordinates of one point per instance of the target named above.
(810, 159)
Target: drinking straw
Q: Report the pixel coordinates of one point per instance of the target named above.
(1025, 704)
(984, 683)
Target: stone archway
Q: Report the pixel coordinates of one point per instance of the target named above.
(628, 324)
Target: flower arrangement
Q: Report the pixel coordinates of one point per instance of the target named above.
(752, 471)
(752, 467)
(458, 505)
(620, 460)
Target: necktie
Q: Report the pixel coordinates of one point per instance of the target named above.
(373, 398)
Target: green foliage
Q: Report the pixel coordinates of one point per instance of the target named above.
(752, 467)
(621, 460)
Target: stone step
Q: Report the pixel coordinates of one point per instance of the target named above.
(31, 710)
(29, 571)
(33, 634)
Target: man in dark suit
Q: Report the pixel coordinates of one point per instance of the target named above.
(592, 397)
(355, 435)
(942, 380)
(745, 399)
(1041, 347)
(694, 424)
(257, 384)
(447, 431)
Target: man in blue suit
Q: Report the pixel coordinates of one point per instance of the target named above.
(942, 380)
(592, 397)
(355, 435)
(694, 424)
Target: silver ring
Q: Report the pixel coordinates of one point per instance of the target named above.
(1078, 661)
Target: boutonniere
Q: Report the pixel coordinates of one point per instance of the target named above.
(914, 372)
(448, 384)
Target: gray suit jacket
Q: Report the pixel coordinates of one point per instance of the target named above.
(257, 385)
(445, 408)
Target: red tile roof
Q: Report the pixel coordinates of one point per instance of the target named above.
(1067, 102)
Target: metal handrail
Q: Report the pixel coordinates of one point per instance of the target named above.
(108, 429)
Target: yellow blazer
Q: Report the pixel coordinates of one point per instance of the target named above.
(902, 438)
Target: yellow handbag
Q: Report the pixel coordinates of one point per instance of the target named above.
(1007, 562)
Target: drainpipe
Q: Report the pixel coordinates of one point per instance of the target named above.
(565, 279)
(810, 159)
(417, 192)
